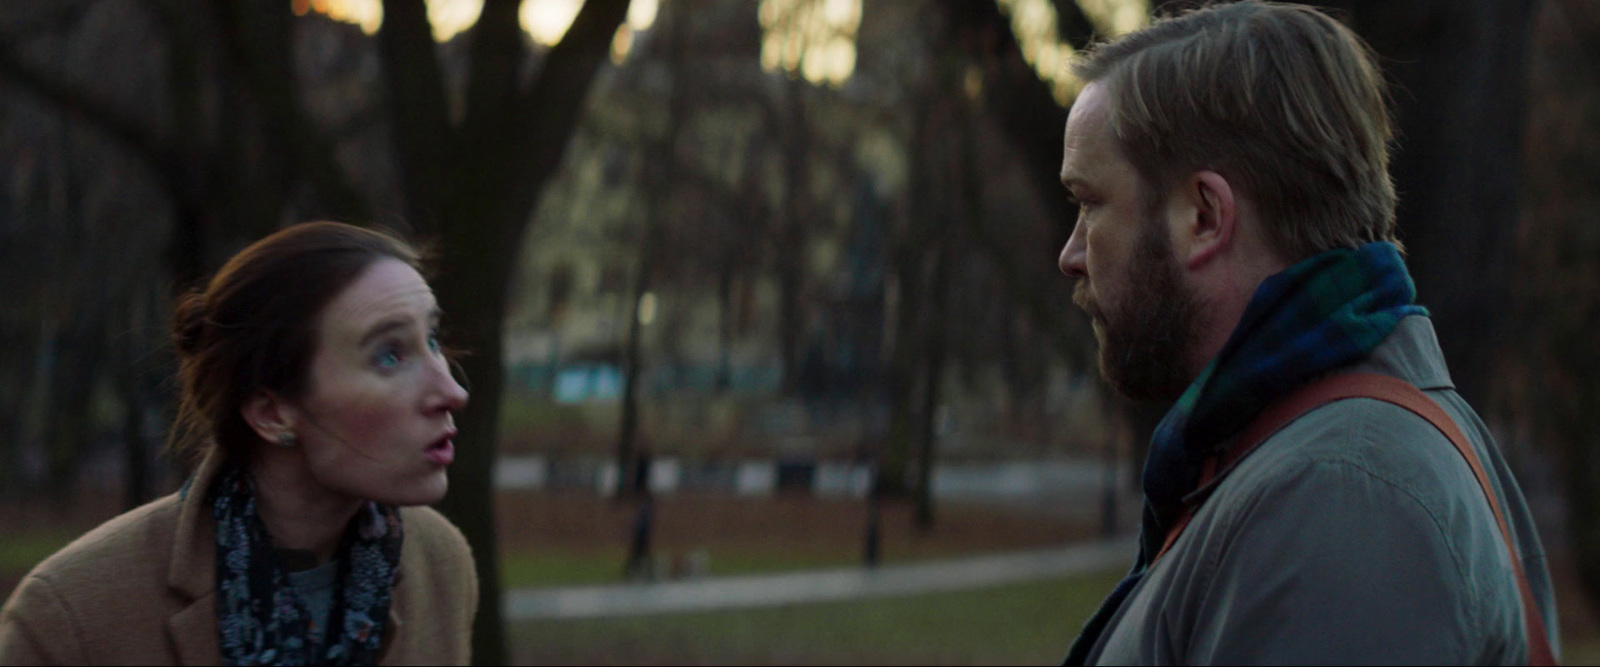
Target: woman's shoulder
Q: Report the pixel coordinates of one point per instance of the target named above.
(112, 577)
(135, 543)
(433, 533)
(438, 560)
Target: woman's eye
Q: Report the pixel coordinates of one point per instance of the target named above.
(387, 357)
(433, 341)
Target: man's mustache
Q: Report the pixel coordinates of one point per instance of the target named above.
(1082, 299)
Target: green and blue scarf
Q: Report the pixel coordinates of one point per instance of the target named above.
(1328, 311)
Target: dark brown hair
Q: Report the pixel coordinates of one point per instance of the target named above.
(1280, 99)
(253, 326)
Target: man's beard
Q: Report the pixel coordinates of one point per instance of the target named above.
(1145, 340)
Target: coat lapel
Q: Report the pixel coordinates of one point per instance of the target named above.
(194, 632)
(397, 600)
(191, 573)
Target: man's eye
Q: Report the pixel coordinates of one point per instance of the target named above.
(433, 341)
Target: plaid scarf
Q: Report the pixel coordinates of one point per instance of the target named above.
(261, 619)
(1328, 311)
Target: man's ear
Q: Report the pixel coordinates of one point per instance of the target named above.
(268, 415)
(1214, 220)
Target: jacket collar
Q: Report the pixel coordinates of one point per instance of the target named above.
(1410, 353)
(192, 573)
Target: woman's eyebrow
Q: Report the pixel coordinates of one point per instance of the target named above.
(384, 327)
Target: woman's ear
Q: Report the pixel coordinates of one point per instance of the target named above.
(269, 416)
(1215, 222)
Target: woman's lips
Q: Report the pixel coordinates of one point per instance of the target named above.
(441, 453)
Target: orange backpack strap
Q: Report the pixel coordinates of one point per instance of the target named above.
(1400, 393)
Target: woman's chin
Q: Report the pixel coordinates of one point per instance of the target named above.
(426, 491)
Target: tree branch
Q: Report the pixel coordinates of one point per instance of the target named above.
(1072, 25)
(497, 52)
(259, 42)
(1026, 108)
(547, 112)
(58, 19)
(141, 140)
(415, 87)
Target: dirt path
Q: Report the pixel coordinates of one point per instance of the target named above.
(831, 585)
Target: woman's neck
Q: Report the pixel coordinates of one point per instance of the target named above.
(300, 513)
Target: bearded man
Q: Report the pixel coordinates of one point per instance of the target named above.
(1319, 492)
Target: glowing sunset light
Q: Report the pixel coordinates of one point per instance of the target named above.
(545, 20)
(1034, 23)
(816, 38)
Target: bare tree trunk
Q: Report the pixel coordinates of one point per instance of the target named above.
(632, 361)
(476, 186)
(1462, 69)
(932, 380)
(660, 157)
(792, 237)
(908, 257)
(725, 274)
(474, 295)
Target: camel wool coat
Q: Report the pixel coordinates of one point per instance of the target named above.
(141, 589)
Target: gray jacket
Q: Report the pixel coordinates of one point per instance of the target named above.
(1356, 534)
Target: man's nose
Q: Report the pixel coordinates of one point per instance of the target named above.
(1073, 260)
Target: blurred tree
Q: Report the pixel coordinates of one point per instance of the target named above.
(475, 182)
(660, 162)
(1460, 97)
(73, 249)
(1550, 381)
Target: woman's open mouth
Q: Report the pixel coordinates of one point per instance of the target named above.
(441, 452)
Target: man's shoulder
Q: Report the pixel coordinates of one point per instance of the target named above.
(1378, 438)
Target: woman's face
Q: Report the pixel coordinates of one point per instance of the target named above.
(376, 423)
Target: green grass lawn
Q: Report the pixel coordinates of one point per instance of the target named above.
(1030, 623)
(19, 553)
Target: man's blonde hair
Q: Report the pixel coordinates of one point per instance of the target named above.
(1283, 101)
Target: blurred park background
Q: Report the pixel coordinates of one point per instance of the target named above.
(749, 287)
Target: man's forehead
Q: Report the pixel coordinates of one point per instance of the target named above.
(1086, 132)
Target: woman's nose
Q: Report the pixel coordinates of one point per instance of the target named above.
(448, 394)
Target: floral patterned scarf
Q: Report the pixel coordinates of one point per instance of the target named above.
(261, 619)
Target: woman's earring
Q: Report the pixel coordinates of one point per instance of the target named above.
(285, 439)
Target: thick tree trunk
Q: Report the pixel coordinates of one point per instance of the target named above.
(1459, 69)
(472, 291)
(476, 187)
